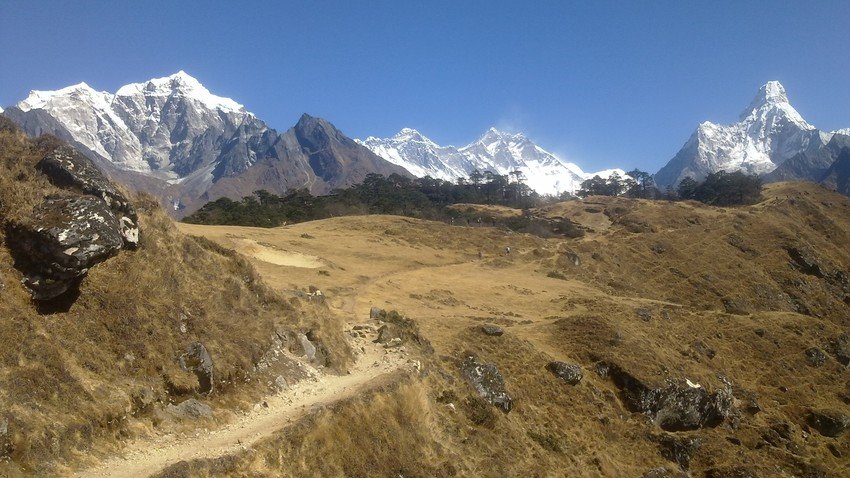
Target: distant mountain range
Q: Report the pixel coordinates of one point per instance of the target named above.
(494, 151)
(770, 139)
(173, 138)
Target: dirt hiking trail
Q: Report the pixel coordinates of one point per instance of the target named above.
(147, 457)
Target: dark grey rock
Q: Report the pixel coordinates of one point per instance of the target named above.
(644, 314)
(191, 408)
(815, 356)
(197, 359)
(569, 373)
(662, 472)
(389, 332)
(839, 347)
(65, 237)
(68, 168)
(828, 422)
(806, 261)
(735, 307)
(488, 382)
(679, 449)
(678, 406)
(492, 330)
(375, 313)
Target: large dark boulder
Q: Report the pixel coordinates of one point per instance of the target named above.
(677, 406)
(198, 360)
(67, 168)
(488, 382)
(828, 423)
(64, 238)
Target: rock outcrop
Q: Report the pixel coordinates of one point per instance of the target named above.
(197, 359)
(67, 234)
(569, 373)
(828, 423)
(67, 168)
(488, 382)
(678, 406)
(65, 237)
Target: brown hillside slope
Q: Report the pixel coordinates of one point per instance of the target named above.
(744, 301)
(74, 385)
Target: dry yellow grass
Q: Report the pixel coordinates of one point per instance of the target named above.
(69, 381)
(678, 261)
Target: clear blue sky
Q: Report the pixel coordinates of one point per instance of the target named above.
(601, 83)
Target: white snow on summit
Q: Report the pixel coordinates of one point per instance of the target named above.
(495, 151)
(185, 85)
(769, 131)
(146, 127)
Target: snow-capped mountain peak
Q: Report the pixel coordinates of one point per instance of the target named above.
(770, 104)
(410, 134)
(39, 99)
(769, 131)
(496, 151)
(183, 85)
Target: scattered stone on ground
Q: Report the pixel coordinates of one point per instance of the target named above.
(191, 408)
(492, 330)
(569, 373)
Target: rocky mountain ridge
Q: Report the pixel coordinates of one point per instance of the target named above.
(495, 151)
(769, 133)
(173, 138)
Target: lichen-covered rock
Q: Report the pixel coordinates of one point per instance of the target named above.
(65, 237)
(197, 359)
(68, 168)
(680, 405)
(567, 372)
(488, 382)
(828, 422)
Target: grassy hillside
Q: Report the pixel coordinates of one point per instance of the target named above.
(751, 300)
(76, 384)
